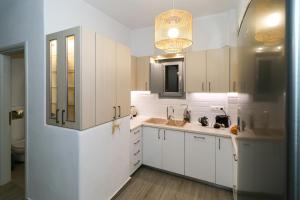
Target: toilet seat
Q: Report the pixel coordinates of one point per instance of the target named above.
(18, 147)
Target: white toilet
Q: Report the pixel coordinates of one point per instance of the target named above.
(18, 150)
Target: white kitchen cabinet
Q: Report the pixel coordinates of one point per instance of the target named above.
(71, 78)
(218, 70)
(200, 157)
(224, 162)
(163, 149)
(112, 80)
(152, 147)
(196, 71)
(173, 151)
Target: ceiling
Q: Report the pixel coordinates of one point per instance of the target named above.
(141, 13)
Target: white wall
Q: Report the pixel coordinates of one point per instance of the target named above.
(209, 32)
(52, 154)
(199, 103)
(95, 149)
(63, 14)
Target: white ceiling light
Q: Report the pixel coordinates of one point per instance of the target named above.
(173, 30)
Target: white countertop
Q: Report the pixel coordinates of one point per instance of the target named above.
(193, 127)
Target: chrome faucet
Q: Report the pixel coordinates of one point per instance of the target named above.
(170, 116)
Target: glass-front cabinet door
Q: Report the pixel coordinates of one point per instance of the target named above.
(63, 60)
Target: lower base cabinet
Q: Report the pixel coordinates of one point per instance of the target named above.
(200, 157)
(135, 149)
(224, 162)
(173, 151)
(163, 149)
(152, 147)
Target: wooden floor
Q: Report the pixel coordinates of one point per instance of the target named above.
(150, 184)
(15, 190)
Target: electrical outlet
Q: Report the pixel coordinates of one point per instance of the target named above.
(217, 108)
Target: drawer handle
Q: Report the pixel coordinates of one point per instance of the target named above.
(62, 117)
(57, 111)
(136, 132)
(198, 137)
(137, 142)
(115, 112)
(138, 162)
(137, 152)
(119, 111)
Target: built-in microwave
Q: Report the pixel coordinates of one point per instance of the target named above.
(167, 78)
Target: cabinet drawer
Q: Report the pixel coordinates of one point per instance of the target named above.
(135, 133)
(135, 155)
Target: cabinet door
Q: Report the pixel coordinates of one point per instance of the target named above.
(196, 71)
(224, 162)
(173, 151)
(218, 70)
(200, 157)
(71, 58)
(234, 81)
(123, 80)
(105, 80)
(143, 68)
(152, 147)
(133, 73)
(54, 79)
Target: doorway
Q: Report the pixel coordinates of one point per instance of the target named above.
(12, 124)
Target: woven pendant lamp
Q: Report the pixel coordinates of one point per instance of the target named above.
(173, 30)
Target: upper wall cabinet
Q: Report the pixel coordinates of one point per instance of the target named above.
(142, 72)
(71, 78)
(133, 73)
(112, 80)
(218, 70)
(234, 77)
(208, 71)
(196, 71)
(88, 79)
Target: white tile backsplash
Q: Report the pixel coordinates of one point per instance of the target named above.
(199, 103)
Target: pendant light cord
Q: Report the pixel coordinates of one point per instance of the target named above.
(173, 4)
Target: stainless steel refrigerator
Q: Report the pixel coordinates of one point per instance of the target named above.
(263, 95)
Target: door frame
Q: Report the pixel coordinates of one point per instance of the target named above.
(6, 50)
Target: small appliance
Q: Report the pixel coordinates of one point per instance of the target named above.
(203, 121)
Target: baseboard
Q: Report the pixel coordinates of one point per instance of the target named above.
(120, 189)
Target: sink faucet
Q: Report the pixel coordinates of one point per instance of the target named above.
(170, 116)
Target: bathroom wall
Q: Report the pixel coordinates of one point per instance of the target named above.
(17, 95)
(199, 103)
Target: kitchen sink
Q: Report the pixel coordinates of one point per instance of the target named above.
(171, 122)
(178, 123)
(157, 121)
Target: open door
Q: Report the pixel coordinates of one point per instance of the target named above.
(5, 138)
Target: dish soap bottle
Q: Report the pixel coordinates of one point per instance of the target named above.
(187, 114)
